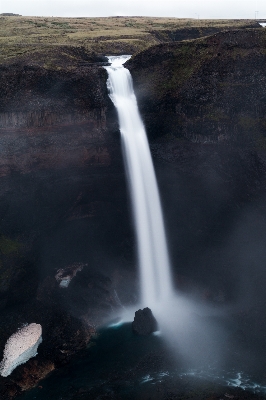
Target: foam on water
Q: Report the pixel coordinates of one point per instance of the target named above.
(228, 378)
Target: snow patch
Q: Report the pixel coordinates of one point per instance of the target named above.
(20, 347)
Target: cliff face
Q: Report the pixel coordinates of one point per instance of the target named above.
(203, 104)
(50, 118)
(63, 195)
(207, 90)
(188, 33)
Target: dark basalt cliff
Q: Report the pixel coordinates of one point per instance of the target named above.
(47, 116)
(63, 201)
(207, 90)
(63, 195)
(203, 104)
(195, 32)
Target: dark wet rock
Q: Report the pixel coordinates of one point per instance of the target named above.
(144, 322)
(86, 294)
(209, 90)
(65, 275)
(99, 63)
(177, 35)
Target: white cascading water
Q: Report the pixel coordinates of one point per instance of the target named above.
(156, 286)
(179, 317)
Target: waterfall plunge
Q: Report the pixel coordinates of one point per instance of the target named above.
(156, 287)
(179, 318)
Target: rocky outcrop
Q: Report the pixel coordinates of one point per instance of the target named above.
(144, 322)
(58, 134)
(190, 33)
(203, 103)
(50, 117)
(208, 90)
(65, 275)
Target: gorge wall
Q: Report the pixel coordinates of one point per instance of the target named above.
(207, 90)
(63, 203)
(63, 194)
(203, 104)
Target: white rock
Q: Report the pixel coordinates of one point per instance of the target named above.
(20, 347)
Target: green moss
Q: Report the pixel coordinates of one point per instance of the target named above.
(216, 116)
(61, 24)
(247, 122)
(25, 31)
(5, 276)
(186, 59)
(8, 246)
(260, 134)
(261, 143)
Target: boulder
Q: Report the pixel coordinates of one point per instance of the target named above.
(20, 347)
(144, 322)
(65, 275)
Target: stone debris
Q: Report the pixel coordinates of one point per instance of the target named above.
(20, 347)
(65, 275)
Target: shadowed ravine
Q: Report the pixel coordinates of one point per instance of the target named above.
(65, 203)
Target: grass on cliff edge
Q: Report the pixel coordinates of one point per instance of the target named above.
(171, 65)
(45, 40)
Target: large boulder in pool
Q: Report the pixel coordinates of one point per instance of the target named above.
(144, 322)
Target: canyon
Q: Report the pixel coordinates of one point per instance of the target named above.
(63, 192)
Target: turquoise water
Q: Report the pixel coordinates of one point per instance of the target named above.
(109, 365)
(121, 365)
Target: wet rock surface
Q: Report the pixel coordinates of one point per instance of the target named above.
(144, 322)
(208, 90)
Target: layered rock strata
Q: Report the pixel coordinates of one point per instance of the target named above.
(207, 90)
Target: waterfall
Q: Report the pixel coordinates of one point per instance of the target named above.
(153, 258)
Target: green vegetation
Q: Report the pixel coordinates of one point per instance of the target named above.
(175, 63)
(8, 246)
(9, 249)
(216, 116)
(36, 38)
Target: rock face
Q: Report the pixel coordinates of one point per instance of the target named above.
(52, 116)
(20, 347)
(207, 90)
(63, 198)
(65, 275)
(144, 322)
(177, 35)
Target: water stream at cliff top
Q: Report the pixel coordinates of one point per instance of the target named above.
(155, 277)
